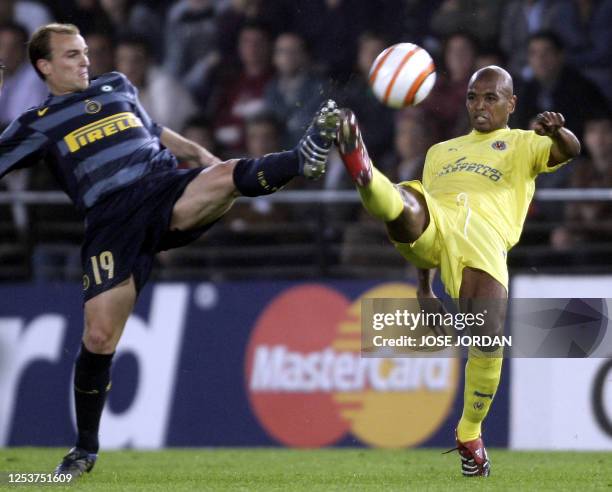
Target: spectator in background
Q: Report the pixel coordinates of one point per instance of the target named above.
(331, 28)
(200, 130)
(588, 222)
(446, 103)
(88, 15)
(585, 26)
(276, 15)
(29, 13)
(163, 97)
(135, 17)
(403, 20)
(190, 41)
(101, 53)
(240, 94)
(263, 133)
(480, 18)
(22, 87)
(521, 19)
(555, 85)
(22, 90)
(375, 119)
(413, 136)
(295, 92)
(490, 55)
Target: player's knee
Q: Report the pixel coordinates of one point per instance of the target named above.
(207, 198)
(215, 184)
(413, 221)
(100, 336)
(220, 178)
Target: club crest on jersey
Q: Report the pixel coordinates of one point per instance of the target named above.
(92, 107)
(499, 145)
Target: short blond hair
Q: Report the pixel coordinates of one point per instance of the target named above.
(39, 46)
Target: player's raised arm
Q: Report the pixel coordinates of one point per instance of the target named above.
(565, 144)
(186, 149)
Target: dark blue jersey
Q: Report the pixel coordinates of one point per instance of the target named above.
(96, 141)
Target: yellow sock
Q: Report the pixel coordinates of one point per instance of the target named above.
(381, 198)
(482, 375)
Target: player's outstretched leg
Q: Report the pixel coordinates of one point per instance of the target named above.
(267, 174)
(403, 210)
(212, 192)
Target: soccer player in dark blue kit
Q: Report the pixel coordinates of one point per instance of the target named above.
(120, 170)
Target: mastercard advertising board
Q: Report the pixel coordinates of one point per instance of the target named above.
(309, 386)
(269, 363)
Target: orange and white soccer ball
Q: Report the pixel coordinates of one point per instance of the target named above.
(402, 75)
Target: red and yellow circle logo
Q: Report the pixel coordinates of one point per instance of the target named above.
(309, 386)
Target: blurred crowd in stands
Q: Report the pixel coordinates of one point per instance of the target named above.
(244, 77)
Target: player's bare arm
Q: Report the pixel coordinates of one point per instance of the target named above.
(565, 144)
(187, 150)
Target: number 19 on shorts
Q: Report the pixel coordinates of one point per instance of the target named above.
(103, 265)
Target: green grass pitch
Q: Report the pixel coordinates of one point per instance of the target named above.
(328, 469)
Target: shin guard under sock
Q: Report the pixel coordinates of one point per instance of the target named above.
(381, 198)
(482, 375)
(267, 174)
(91, 383)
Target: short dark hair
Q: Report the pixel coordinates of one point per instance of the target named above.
(597, 115)
(495, 51)
(266, 117)
(135, 39)
(373, 35)
(198, 121)
(550, 36)
(258, 25)
(39, 46)
(109, 36)
(468, 36)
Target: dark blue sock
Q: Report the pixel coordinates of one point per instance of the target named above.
(91, 383)
(267, 174)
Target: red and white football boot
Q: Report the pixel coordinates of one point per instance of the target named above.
(352, 149)
(474, 458)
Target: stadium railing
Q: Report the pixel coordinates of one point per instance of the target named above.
(320, 243)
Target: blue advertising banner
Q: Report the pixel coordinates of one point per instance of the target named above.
(230, 364)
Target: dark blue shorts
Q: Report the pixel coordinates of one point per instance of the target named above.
(125, 230)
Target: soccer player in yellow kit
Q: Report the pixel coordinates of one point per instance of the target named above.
(463, 218)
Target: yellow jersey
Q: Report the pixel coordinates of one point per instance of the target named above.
(495, 171)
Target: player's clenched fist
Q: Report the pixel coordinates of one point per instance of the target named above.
(547, 124)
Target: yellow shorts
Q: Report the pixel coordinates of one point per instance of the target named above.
(454, 239)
